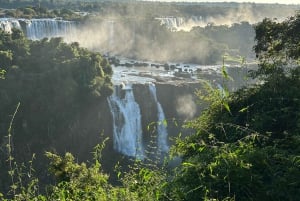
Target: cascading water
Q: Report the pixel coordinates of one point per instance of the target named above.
(172, 23)
(162, 133)
(127, 125)
(182, 24)
(41, 28)
(36, 29)
(7, 24)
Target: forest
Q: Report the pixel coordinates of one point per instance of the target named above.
(244, 146)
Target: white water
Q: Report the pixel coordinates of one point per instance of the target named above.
(127, 125)
(7, 24)
(162, 133)
(41, 28)
(36, 29)
(182, 24)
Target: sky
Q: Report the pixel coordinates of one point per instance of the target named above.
(240, 1)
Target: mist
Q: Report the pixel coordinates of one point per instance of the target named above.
(143, 40)
(243, 13)
(186, 39)
(186, 107)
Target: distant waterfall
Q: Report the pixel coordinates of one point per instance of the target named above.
(36, 29)
(127, 125)
(162, 133)
(41, 28)
(172, 23)
(182, 24)
(7, 24)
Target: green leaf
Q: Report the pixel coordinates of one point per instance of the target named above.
(2, 74)
(165, 123)
(225, 73)
(226, 106)
(188, 164)
(175, 122)
(244, 109)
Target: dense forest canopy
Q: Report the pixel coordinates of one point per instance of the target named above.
(52, 81)
(30, 12)
(144, 9)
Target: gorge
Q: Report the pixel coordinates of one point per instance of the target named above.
(143, 101)
(145, 93)
(151, 100)
(129, 114)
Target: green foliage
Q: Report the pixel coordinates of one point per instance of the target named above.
(2, 74)
(54, 81)
(245, 146)
(76, 181)
(149, 183)
(49, 76)
(82, 182)
(252, 152)
(22, 185)
(6, 59)
(277, 45)
(34, 11)
(248, 155)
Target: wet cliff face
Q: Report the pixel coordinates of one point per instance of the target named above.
(85, 128)
(85, 131)
(180, 104)
(178, 101)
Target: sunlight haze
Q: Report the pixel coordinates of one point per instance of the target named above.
(240, 1)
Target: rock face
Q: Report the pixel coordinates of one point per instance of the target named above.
(177, 102)
(88, 129)
(174, 102)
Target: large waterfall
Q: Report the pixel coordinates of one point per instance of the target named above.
(36, 29)
(46, 28)
(127, 126)
(162, 133)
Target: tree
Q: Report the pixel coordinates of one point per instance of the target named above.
(251, 153)
(277, 45)
(54, 82)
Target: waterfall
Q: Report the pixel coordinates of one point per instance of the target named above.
(162, 133)
(36, 29)
(127, 125)
(41, 28)
(182, 24)
(7, 24)
(172, 23)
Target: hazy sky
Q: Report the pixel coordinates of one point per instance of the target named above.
(255, 1)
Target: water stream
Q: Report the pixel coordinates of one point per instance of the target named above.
(127, 126)
(162, 133)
